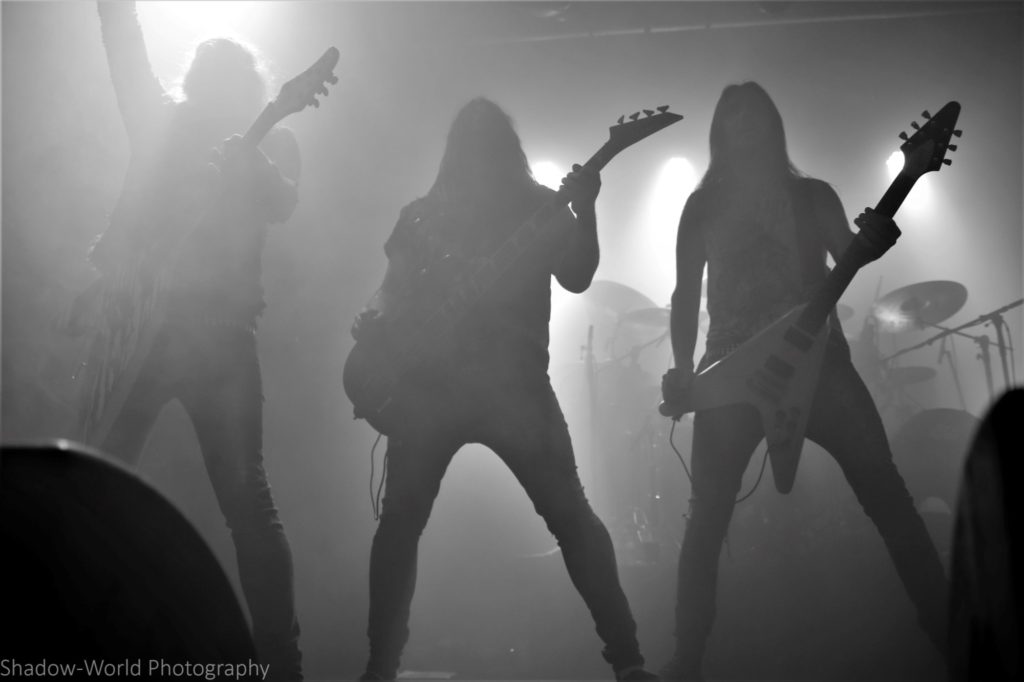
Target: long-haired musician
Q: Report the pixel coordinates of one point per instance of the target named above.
(490, 383)
(763, 230)
(193, 223)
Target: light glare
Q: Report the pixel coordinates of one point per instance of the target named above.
(548, 173)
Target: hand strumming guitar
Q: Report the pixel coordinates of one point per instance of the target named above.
(675, 392)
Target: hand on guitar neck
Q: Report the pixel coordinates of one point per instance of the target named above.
(878, 233)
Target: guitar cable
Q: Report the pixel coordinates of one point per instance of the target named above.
(376, 495)
(679, 456)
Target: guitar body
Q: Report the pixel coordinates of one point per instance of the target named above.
(131, 314)
(407, 348)
(776, 372)
(371, 381)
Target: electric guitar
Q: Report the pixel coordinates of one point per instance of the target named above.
(131, 300)
(777, 370)
(416, 338)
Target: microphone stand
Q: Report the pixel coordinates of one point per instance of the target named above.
(996, 318)
(986, 361)
(944, 353)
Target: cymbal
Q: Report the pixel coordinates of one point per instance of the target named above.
(919, 305)
(616, 298)
(648, 317)
(909, 375)
(659, 318)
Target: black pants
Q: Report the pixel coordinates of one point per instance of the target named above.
(214, 371)
(523, 424)
(845, 422)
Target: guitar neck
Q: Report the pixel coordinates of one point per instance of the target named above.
(485, 274)
(262, 125)
(856, 256)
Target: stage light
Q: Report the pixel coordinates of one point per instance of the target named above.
(548, 173)
(173, 29)
(215, 18)
(655, 239)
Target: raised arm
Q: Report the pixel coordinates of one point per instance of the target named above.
(139, 92)
(690, 259)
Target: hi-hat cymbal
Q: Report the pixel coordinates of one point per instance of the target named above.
(616, 298)
(919, 305)
(909, 375)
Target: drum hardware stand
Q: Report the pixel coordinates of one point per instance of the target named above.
(951, 360)
(984, 342)
(995, 318)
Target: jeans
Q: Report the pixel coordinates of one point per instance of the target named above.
(214, 371)
(523, 424)
(845, 422)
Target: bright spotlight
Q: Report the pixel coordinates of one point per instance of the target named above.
(920, 196)
(548, 173)
(173, 29)
(656, 234)
(215, 17)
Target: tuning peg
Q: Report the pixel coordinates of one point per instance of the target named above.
(635, 116)
(926, 114)
(948, 162)
(914, 125)
(903, 135)
(648, 112)
(662, 109)
(622, 119)
(958, 133)
(951, 147)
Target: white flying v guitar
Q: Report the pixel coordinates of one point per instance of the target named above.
(777, 370)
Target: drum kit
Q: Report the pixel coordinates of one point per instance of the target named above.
(623, 366)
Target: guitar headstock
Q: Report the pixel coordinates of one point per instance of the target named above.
(301, 91)
(926, 149)
(626, 133)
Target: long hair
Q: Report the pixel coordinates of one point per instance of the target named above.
(224, 71)
(753, 98)
(483, 157)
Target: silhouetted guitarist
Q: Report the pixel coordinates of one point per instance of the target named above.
(764, 230)
(187, 237)
(488, 382)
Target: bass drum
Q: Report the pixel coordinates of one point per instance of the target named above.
(930, 449)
